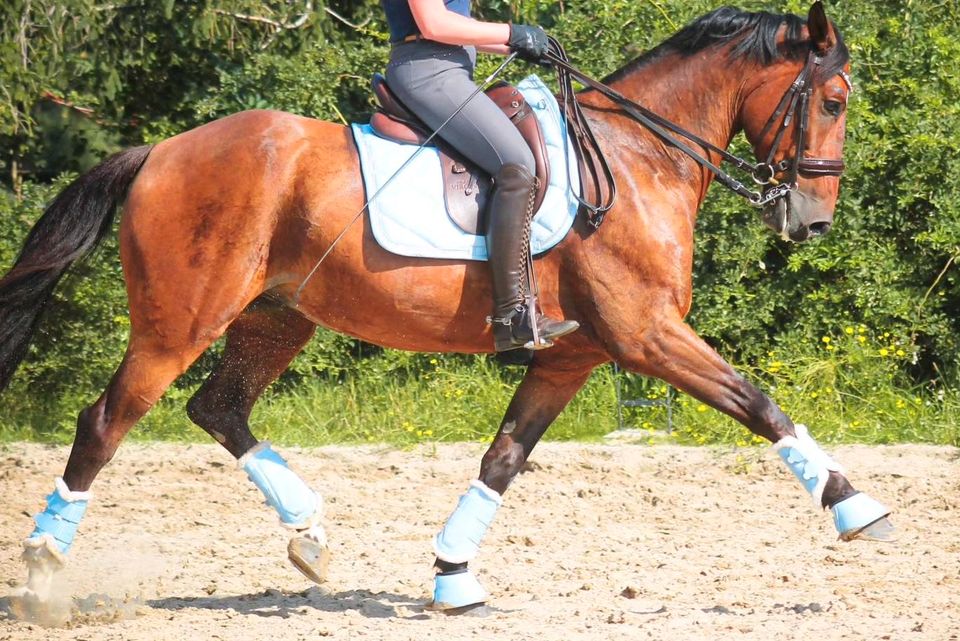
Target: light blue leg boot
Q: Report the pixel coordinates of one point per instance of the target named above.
(298, 507)
(45, 550)
(459, 542)
(812, 467)
(57, 525)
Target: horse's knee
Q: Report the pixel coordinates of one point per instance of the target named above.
(501, 463)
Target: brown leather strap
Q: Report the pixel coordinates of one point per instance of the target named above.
(821, 166)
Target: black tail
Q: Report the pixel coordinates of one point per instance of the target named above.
(70, 228)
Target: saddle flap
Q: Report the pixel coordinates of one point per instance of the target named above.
(465, 191)
(465, 186)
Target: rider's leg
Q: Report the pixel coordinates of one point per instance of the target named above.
(434, 81)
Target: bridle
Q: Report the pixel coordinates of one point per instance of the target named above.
(796, 100)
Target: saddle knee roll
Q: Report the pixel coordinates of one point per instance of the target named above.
(298, 506)
(459, 540)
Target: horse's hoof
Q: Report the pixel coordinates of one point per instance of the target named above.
(861, 517)
(27, 605)
(478, 610)
(458, 593)
(309, 556)
(43, 561)
(880, 530)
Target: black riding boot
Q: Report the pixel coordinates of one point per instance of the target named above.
(509, 214)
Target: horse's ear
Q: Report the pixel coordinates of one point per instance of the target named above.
(821, 31)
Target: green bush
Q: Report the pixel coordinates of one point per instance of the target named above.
(889, 265)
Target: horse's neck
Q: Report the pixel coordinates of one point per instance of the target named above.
(701, 95)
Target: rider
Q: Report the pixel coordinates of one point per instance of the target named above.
(435, 44)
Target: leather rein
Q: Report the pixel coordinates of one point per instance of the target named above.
(795, 100)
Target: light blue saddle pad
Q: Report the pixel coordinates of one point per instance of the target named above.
(408, 215)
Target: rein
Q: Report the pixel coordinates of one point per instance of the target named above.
(763, 173)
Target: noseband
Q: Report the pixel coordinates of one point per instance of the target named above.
(795, 100)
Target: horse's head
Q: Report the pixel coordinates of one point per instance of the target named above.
(795, 118)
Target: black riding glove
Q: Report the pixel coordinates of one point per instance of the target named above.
(530, 43)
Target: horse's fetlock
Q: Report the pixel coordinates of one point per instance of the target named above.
(837, 489)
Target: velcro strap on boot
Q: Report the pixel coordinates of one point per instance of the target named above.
(62, 516)
(810, 464)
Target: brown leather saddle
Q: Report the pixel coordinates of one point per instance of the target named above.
(465, 186)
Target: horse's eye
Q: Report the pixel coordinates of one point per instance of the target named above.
(833, 107)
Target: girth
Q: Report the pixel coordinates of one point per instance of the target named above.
(465, 186)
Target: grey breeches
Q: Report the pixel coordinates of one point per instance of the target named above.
(433, 80)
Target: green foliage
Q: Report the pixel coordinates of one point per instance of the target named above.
(79, 79)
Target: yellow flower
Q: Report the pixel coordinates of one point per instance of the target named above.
(428, 433)
(862, 339)
(848, 330)
(814, 395)
(826, 339)
(829, 348)
(900, 404)
(433, 361)
(701, 407)
(886, 334)
(901, 353)
(883, 351)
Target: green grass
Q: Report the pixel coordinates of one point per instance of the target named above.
(846, 389)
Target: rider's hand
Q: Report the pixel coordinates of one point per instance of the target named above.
(530, 42)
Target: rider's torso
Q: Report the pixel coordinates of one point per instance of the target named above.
(401, 21)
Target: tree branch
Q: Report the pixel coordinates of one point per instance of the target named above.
(336, 15)
(276, 24)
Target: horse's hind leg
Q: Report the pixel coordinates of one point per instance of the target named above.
(145, 373)
(546, 389)
(261, 342)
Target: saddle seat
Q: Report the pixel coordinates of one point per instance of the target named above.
(466, 186)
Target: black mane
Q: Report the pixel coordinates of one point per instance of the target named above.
(755, 38)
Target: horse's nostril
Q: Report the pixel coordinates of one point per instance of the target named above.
(819, 229)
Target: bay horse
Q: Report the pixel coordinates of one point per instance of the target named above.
(222, 223)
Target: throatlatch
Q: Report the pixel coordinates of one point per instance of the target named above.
(57, 524)
(298, 506)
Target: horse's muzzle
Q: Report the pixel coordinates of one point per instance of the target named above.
(797, 217)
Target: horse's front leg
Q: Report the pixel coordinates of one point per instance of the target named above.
(547, 387)
(670, 350)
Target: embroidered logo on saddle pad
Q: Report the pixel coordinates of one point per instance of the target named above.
(409, 216)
